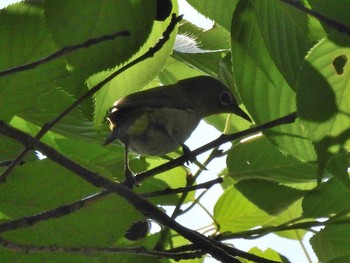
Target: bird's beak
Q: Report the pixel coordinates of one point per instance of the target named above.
(241, 113)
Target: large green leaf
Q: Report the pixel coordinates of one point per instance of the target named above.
(329, 198)
(73, 22)
(337, 11)
(264, 91)
(24, 39)
(233, 212)
(284, 30)
(270, 196)
(294, 211)
(259, 158)
(73, 125)
(332, 244)
(323, 96)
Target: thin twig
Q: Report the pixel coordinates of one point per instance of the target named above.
(54, 213)
(46, 127)
(64, 51)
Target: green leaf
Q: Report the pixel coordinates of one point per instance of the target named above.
(258, 158)
(294, 211)
(288, 42)
(172, 179)
(220, 11)
(233, 212)
(175, 70)
(65, 19)
(322, 98)
(263, 89)
(338, 166)
(269, 196)
(24, 39)
(337, 11)
(329, 198)
(342, 258)
(332, 244)
(73, 125)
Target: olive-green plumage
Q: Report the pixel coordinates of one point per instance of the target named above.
(159, 120)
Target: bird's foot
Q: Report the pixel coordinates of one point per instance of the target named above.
(188, 154)
(192, 159)
(130, 179)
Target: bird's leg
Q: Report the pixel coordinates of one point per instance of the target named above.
(130, 180)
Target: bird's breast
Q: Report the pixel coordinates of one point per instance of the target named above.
(157, 131)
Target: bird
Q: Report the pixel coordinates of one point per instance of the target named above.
(158, 121)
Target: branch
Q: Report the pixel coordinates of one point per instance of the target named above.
(64, 51)
(94, 250)
(329, 22)
(150, 53)
(54, 213)
(224, 138)
(148, 209)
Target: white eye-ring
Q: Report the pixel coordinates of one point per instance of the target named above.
(225, 98)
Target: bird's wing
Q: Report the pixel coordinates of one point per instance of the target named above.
(161, 97)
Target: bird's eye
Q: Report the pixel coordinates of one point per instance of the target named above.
(226, 98)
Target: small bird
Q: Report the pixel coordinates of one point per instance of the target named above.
(159, 120)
